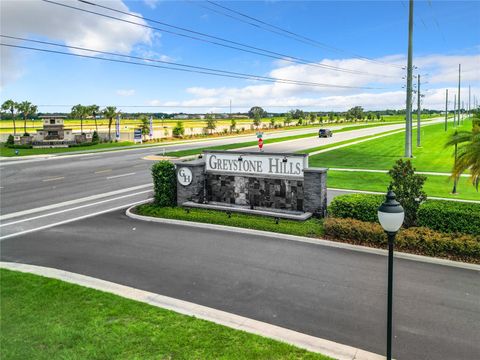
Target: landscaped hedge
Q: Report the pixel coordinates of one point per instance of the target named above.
(362, 207)
(418, 240)
(445, 216)
(450, 216)
(164, 184)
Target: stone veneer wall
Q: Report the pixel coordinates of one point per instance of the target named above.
(282, 194)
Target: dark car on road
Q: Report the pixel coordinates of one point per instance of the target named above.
(325, 133)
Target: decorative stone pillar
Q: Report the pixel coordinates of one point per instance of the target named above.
(315, 191)
(190, 181)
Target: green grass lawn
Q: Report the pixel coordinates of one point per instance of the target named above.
(311, 228)
(4, 151)
(438, 186)
(266, 141)
(44, 318)
(382, 153)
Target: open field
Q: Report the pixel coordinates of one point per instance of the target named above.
(381, 154)
(49, 319)
(6, 126)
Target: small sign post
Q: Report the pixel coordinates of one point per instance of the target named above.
(137, 136)
(151, 127)
(117, 128)
(260, 140)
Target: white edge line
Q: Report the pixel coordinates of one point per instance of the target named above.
(117, 176)
(71, 202)
(74, 208)
(315, 241)
(308, 342)
(74, 219)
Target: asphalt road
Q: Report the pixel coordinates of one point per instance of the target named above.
(332, 293)
(45, 192)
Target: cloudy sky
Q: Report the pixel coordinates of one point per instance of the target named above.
(343, 53)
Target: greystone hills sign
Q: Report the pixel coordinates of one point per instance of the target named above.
(259, 164)
(253, 180)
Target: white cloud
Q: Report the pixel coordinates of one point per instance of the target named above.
(125, 92)
(152, 4)
(442, 70)
(33, 18)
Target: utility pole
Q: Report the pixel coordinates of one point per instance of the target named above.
(454, 109)
(458, 99)
(446, 108)
(408, 114)
(230, 108)
(469, 109)
(418, 111)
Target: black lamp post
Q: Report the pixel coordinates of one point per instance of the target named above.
(390, 215)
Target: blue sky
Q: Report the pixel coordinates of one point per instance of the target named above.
(446, 33)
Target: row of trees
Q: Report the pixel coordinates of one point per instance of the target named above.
(82, 112)
(24, 108)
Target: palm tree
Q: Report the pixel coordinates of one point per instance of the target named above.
(26, 108)
(11, 106)
(468, 150)
(109, 112)
(94, 110)
(79, 111)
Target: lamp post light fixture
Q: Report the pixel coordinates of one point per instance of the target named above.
(390, 215)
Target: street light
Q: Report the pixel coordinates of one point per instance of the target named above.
(390, 215)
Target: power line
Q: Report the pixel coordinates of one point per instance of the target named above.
(256, 50)
(291, 34)
(207, 71)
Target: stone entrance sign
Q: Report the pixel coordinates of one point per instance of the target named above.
(253, 180)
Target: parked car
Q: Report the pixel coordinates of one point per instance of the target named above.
(325, 133)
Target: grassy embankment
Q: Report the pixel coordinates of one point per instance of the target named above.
(381, 154)
(267, 141)
(49, 319)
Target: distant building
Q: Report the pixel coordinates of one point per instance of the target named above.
(53, 134)
(180, 116)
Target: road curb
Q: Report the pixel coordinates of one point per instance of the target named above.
(315, 241)
(304, 341)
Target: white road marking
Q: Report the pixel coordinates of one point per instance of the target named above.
(102, 171)
(117, 176)
(74, 219)
(54, 179)
(90, 157)
(71, 202)
(74, 208)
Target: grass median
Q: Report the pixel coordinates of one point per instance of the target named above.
(381, 154)
(49, 319)
(267, 141)
(438, 186)
(310, 228)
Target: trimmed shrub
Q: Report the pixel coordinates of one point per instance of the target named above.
(82, 144)
(164, 184)
(19, 146)
(439, 215)
(357, 206)
(418, 240)
(95, 137)
(10, 140)
(407, 186)
(450, 216)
